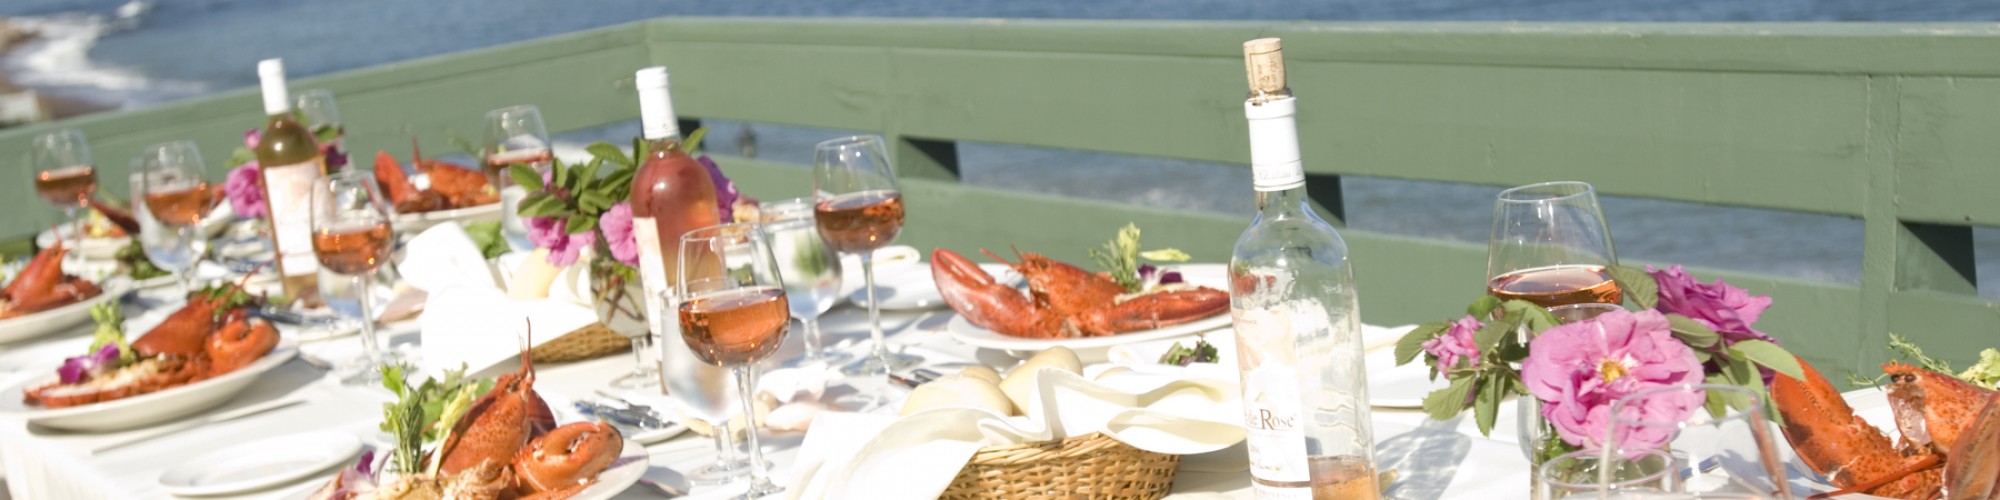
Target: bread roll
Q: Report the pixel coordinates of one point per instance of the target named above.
(982, 373)
(1020, 383)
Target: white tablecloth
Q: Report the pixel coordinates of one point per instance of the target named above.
(1432, 459)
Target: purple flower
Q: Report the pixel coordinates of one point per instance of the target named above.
(564, 248)
(725, 190)
(1726, 309)
(77, 369)
(241, 188)
(1150, 276)
(617, 226)
(1577, 370)
(1455, 344)
(251, 137)
(335, 158)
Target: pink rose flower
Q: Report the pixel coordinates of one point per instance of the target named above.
(564, 248)
(251, 137)
(1726, 309)
(1455, 344)
(245, 197)
(1577, 370)
(617, 226)
(725, 190)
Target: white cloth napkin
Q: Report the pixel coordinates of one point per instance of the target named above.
(469, 320)
(849, 455)
(442, 257)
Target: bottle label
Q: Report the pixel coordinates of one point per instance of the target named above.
(652, 267)
(1271, 401)
(288, 189)
(1274, 145)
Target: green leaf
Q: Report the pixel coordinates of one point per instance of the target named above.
(1412, 344)
(607, 152)
(486, 235)
(1443, 404)
(1482, 307)
(540, 205)
(559, 175)
(1738, 368)
(1486, 406)
(593, 202)
(579, 224)
(1488, 336)
(1771, 356)
(693, 142)
(1165, 255)
(1715, 404)
(1693, 333)
(1510, 348)
(1537, 317)
(588, 172)
(1638, 286)
(639, 151)
(526, 177)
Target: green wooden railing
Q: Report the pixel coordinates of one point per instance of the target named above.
(1888, 123)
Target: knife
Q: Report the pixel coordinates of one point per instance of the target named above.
(641, 419)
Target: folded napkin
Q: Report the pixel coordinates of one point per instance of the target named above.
(469, 320)
(444, 256)
(849, 455)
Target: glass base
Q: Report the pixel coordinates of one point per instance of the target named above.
(761, 489)
(361, 372)
(881, 365)
(639, 379)
(720, 473)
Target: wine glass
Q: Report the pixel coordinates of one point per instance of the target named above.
(702, 391)
(64, 177)
(1550, 246)
(858, 209)
(733, 313)
(321, 115)
(351, 236)
(514, 136)
(172, 192)
(810, 269)
(1726, 453)
(1592, 474)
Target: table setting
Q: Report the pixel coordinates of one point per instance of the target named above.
(626, 323)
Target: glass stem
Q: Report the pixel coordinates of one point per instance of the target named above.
(812, 337)
(744, 375)
(725, 448)
(874, 312)
(186, 274)
(369, 347)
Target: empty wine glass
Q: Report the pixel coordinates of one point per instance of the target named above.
(810, 269)
(1723, 453)
(1550, 246)
(1591, 474)
(64, 177)
(321, 115)
(858, 209)
(733, 313)
(352, 237)
(171, 191)
(514, 136)
(702, 391)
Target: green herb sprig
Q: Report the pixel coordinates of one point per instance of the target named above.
(423, 415)
(133, 258)
(1202, 352)
(1121, 255)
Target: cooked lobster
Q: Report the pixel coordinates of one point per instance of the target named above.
(1950, 429)
(212, 335)
(451, 186)
(41, 286)
(513, 426)
(1062, 300)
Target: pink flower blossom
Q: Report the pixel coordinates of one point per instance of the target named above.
(1455, 344)
(1726, 309)
(245, 197)
(1577, 370)
(725, 190)
(617, 226)
(564, 248)
(251, 138)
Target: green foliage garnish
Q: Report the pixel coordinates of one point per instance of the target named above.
(133, 258)
(486, 235)
(1121, 255)
(228, 298)
(1202, 352)
(110, 320)
(579, 193)
(1985, 373)
(423, 415)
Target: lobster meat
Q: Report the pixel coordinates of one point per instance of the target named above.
(512, 426)
(1950, 443)
(451, 186)
(213, 334)
(41, 286)
(1062, 301)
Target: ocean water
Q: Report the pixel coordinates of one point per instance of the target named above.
(131, 53)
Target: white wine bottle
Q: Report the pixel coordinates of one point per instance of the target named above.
(1305, 396)
(288, 160)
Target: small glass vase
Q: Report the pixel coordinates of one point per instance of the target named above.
(620, 303)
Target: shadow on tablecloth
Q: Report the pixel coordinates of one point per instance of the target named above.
(1425, 459)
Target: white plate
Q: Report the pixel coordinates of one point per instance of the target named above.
(910, 287)
(411, 224)
(260, 464)
(143, 409)
(45, 322)
(1391, 386)
(624, 472)
(89, 248)
(1209, 275)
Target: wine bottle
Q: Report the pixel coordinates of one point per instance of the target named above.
(1298, 337)
(288, 160)
(671, 193)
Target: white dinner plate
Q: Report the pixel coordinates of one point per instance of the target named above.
(911, 288)
(1391, 386)
(411, 224)
(107, 248)
(144, 409)
(624, 472)
(1208, 275)
(260, 464)
(53, 320)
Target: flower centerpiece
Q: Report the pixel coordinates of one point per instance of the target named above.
(241, 187)
(1680, 331)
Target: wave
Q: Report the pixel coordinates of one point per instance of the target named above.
(58, 60)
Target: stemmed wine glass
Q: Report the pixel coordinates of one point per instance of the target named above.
(64, 177)
(171, 191)
(733, 314)
(1729, 454)
(858, 210)
(319, 113)
(810, 269)
(702, 391)
(514, 136)
(352, 237)
(1550, 246)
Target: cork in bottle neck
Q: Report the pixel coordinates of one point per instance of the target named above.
(1264, 62)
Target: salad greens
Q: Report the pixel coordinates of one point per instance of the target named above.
(1121, 255)
(423, 415)
(1202, 352)
(133, 257)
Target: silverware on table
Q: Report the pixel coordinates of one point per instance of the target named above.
(915, 378)
(643, 419)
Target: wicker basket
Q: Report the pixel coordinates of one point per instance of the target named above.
(1089, 466)
(588, 342)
